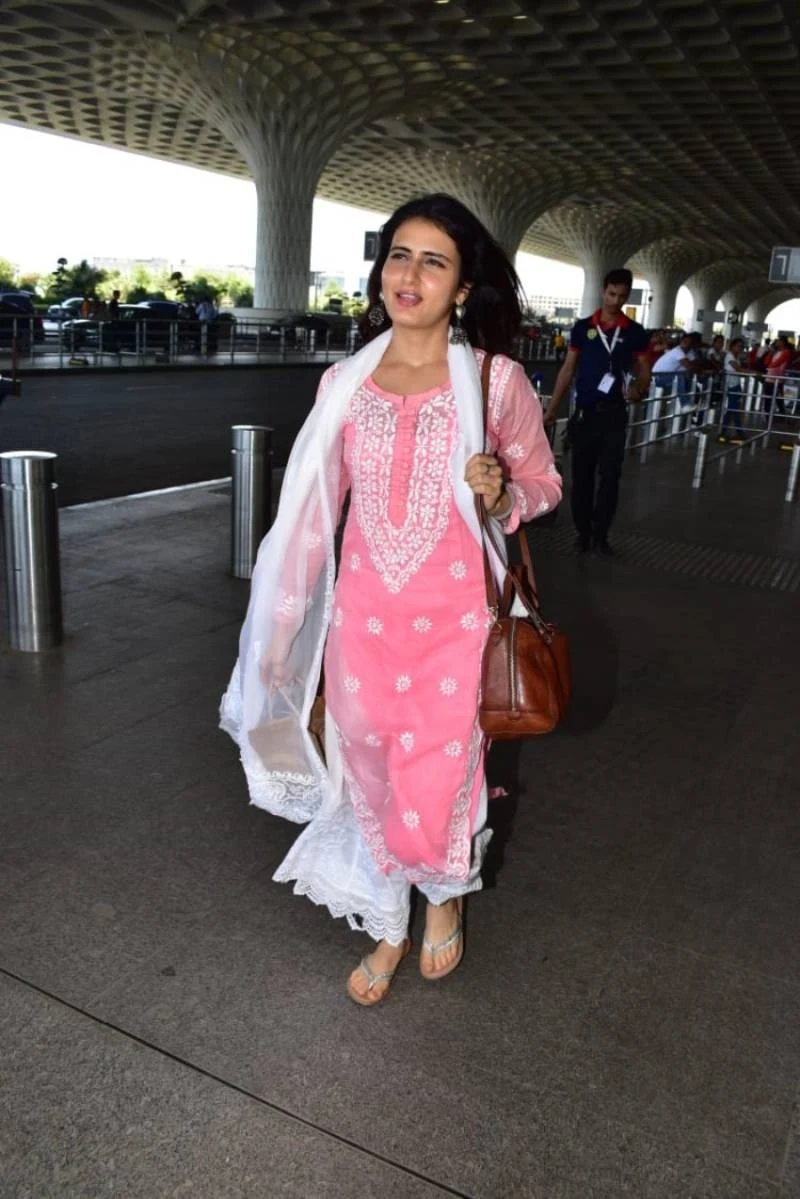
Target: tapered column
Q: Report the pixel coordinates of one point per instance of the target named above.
(285, 193)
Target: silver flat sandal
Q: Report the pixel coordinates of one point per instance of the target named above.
(456, 936)
(372, 979)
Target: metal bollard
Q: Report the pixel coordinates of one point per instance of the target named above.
(30, 528)
(251, 498)
(700, 460)
(794, 470)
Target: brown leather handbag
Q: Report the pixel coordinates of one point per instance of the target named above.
(525, 674)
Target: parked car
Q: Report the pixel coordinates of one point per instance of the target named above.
(332, 328)
(65, 309)
(120, 334)
(150, 324)
(19, 321)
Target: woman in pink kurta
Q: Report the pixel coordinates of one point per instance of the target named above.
(408, 618)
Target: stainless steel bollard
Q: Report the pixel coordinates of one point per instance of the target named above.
(794, 470)
(251, 499)
(30, 532)
(700, 460)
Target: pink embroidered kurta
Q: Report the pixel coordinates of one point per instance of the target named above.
(402, 661)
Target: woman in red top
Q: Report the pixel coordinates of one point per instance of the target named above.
(777, 363)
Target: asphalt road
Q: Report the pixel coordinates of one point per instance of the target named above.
(120, 433)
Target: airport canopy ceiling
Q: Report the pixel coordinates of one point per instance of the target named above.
(671, 124)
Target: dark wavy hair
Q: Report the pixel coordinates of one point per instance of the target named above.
(493, 308)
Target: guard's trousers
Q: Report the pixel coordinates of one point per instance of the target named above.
(597, 440)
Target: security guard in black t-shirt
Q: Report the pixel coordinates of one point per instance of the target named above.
(608, 360)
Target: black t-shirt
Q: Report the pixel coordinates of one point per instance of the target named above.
(626, 339)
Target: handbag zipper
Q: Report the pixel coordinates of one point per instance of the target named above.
(512, 664)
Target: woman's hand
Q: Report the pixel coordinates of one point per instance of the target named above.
(485, 476)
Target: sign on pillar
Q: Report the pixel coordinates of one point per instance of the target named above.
(784, 266)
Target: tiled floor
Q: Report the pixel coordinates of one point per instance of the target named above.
(625, 1021)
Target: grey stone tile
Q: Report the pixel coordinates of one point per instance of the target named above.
(64, 713)
(607, 1160)
(92, 1113)
(88, 918)
(728, 889)
(692, 1052)
(790, 1177)
(585, 860)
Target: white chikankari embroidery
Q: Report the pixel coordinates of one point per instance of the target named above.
(422, 624)
(352, 685)
(410, 818)
(314, 541)
(553, 471)
(542, 507)
(521, 496)
(374, 626)
(458, 570)
(287, 604)
(355, 562)
(398, 551)
(469, 622)
(454, 749)
(372, 739)
(407, 741)
(338, 617)
(448, 686)
(402, 683)
(514, 451)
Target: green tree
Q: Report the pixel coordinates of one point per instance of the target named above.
(79, 280)
(241, 294)
(8, 274)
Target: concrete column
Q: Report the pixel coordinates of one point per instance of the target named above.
(285, 192)
(502, 197)
(662, 310)
(595, 267)
(705, 301)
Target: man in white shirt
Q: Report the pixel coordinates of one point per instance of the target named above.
(677, 366)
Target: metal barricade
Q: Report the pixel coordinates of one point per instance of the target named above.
(32, 568)
(251, 495)
(794, 470)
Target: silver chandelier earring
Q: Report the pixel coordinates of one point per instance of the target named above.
(377, 314)
(458, 334)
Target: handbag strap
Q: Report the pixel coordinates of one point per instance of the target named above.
(494, 601)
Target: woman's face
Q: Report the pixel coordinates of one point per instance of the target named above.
(420, 278)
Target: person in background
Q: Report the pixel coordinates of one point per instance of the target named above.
(732, 392)
(777, 361)
(607, 358)
(560, 346)
(113, 306)
(86, 307)
(657, 346)
(676, 368)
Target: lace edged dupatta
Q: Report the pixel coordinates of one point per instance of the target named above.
(292, 593)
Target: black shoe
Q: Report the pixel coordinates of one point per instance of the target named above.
(583, 543)
(603, 547)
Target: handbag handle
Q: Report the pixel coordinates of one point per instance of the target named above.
(525, 587)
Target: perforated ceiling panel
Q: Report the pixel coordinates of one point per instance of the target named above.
(668, 119)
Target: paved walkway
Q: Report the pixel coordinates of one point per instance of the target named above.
(625, 1021)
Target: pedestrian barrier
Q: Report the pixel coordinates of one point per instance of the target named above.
(31, 550)
(794, 469)
(155, 339)
(159, 340)
(251, 495)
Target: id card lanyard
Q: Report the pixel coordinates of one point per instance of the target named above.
(607, 381)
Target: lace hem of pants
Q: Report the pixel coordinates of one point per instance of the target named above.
(331, 865)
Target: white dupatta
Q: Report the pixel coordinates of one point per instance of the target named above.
(292, 593)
